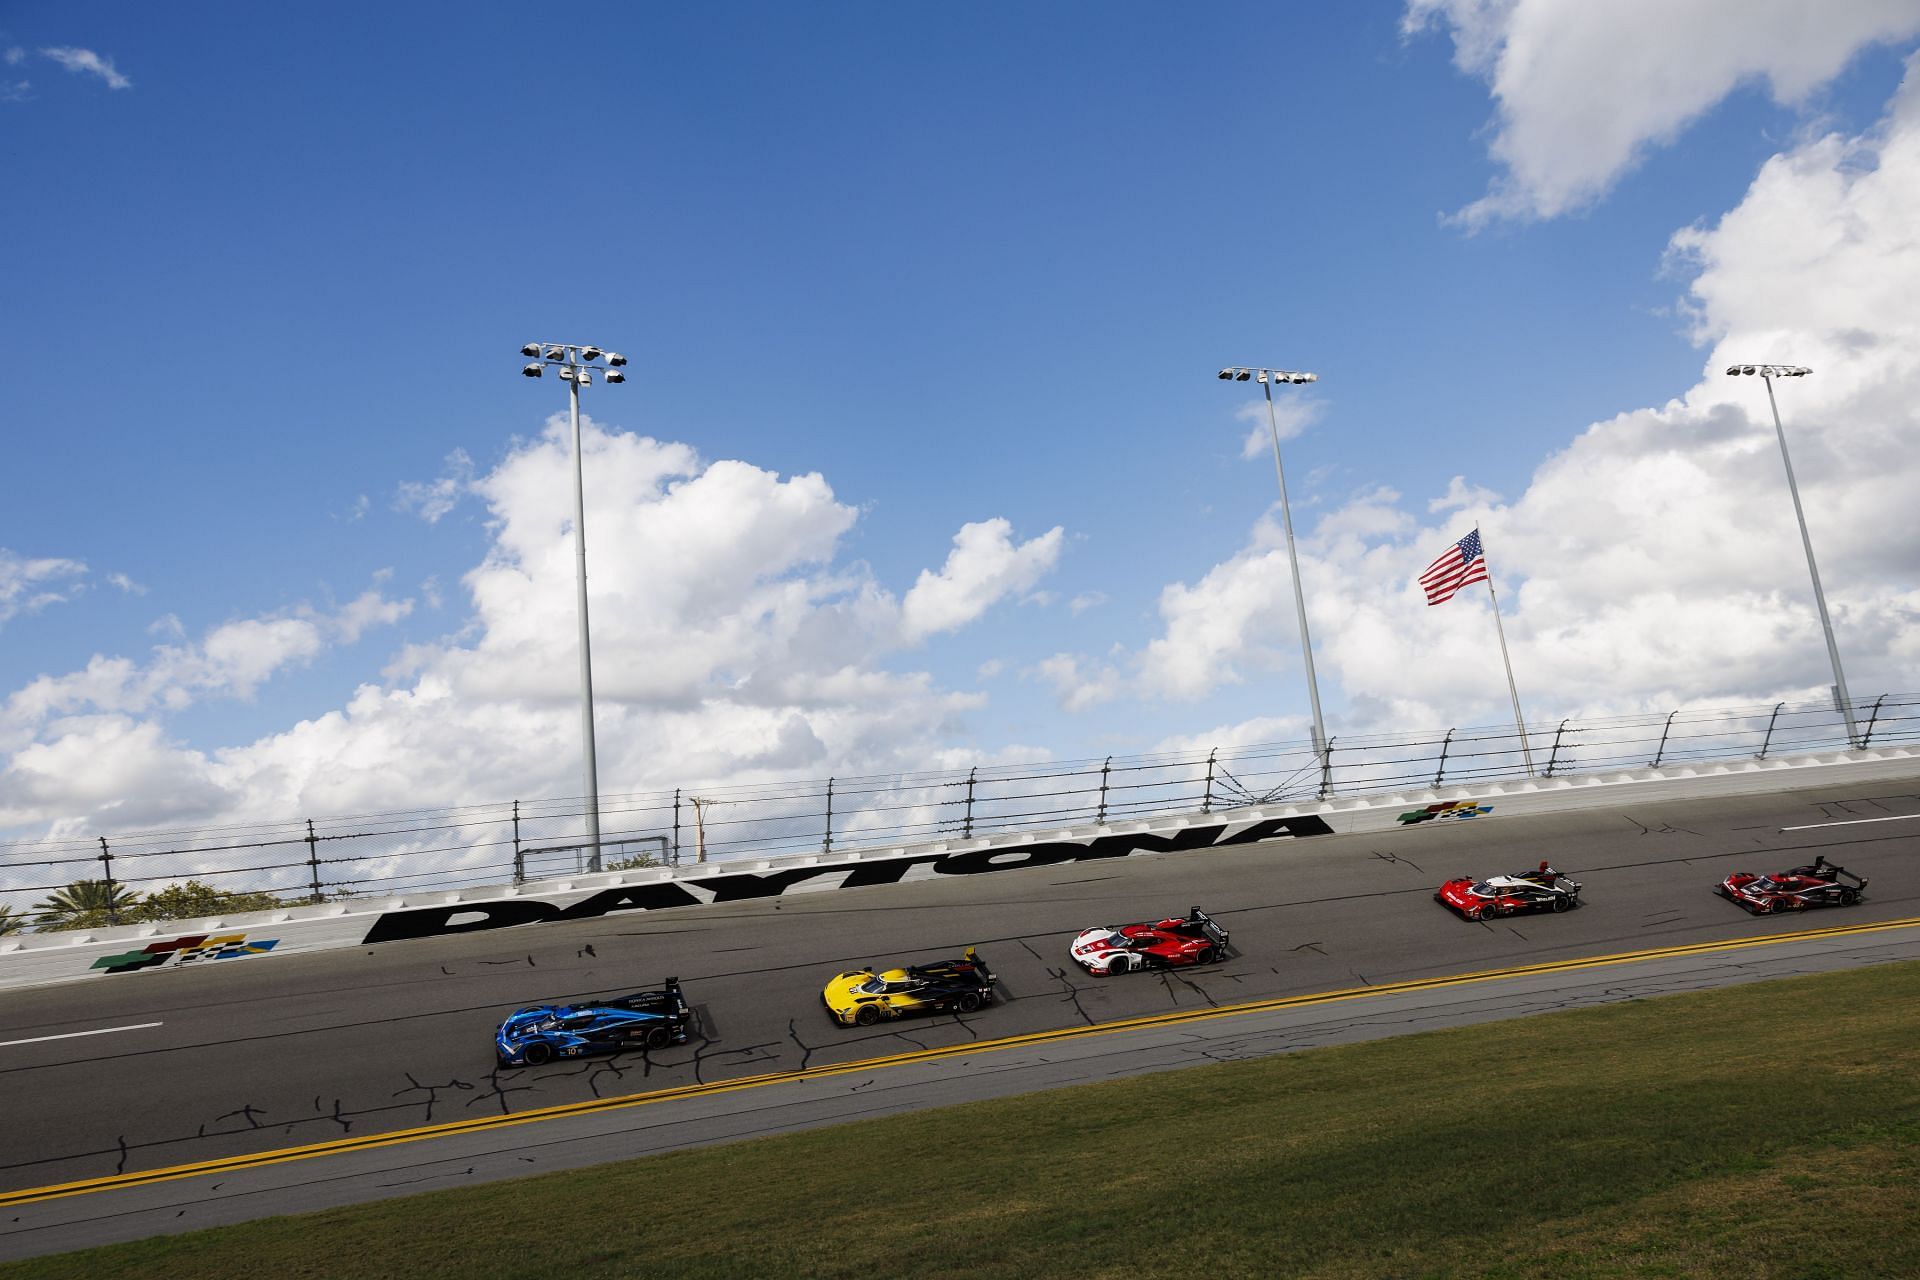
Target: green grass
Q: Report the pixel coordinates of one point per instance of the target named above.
(1701, 1135)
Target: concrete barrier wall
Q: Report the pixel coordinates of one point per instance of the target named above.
(39, 958)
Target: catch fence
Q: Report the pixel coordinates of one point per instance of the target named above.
(421, 850)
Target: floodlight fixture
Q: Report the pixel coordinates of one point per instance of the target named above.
(590, 353)
(614, 375)
(615, 358)
(1241, 375)
(534, 370)
(1770, 370)
(556, 353)
(531, 349)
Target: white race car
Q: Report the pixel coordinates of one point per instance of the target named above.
(1163, 944)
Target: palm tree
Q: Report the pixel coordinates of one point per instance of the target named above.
(10, 922)
(86, 904)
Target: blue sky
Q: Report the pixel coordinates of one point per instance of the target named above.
(967, 265)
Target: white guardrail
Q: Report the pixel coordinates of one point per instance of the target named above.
(40, 958)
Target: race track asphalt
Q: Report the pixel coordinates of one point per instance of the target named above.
(283, 1051)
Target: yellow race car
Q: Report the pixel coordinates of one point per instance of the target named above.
(866, 996)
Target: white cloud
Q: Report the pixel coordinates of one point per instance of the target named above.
(126, 584)
(1291, 416)
(1076, 689)
(433, 498)
(984, 566)
(1582, 90)
(1087, 600)
(87, 62)
(991, 668)
(15, 55)
(27, 586)
(231, 660)
(1460, 495)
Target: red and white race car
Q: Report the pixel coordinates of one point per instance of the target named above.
(1818, 884)
(1172, 943)
(1543, 890)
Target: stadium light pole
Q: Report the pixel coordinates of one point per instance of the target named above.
(1266, 378)
(575, 363)
(1770, 372)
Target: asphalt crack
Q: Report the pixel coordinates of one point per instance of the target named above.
(1386, 856)
(431, 1090)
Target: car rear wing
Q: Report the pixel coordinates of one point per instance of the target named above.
(669, 1000)
(1208, 926)
(986, 975)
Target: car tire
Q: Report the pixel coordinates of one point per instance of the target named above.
(969, 1002)
(1206, 956)
(867, 1015)
(538, 1055)
(1848, 897)
(1561, 902)
(1775, 906)
(658, 1038)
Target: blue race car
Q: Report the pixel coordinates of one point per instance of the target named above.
(643, 1020)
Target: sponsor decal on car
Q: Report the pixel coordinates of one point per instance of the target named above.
(1456, 810)
(188, 950)
(470, 917)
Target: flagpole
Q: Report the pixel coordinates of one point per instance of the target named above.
(1519, 720)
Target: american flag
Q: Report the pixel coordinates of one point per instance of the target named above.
(1460, 565)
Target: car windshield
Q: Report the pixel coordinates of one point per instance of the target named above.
(1485, 889)
(1765, 884)
(872, 986)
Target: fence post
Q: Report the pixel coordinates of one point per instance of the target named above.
(1442, 772)
(826, 846)
(313, 860)
(1326, 770)
(1206, 806)
(1105, 768)
(1663, 738)
(676, 826)
(1554, 759)
(1867, 737)
(519, 855)
(1768, 740)
(966, 828)
(106, 872)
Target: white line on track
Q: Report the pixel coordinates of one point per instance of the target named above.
(1854, 822)
(71, 1035)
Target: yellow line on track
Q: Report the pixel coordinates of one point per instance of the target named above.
(234, 1164)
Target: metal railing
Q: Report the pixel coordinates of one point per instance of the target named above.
(419, 850)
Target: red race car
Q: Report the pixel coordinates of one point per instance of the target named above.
(1165, 944)
(1819, 884)
(1543, 890)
